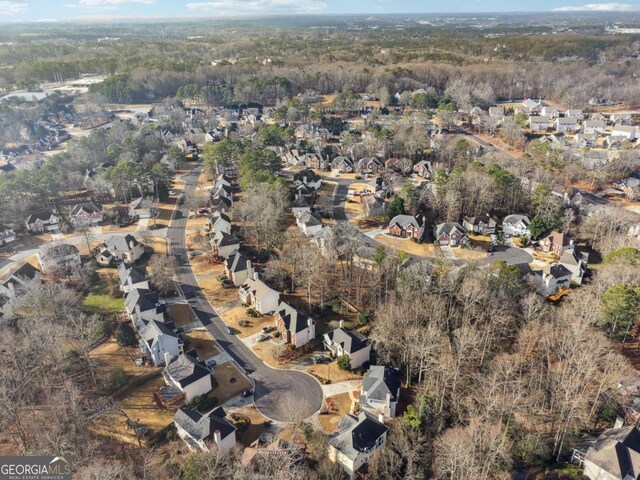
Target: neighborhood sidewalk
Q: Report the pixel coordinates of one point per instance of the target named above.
(341, 387)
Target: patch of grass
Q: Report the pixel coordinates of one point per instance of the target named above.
(98, 300)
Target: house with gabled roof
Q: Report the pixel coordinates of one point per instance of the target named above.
(205, 432)
(7, 235)
(552, 279)
(369, 165)
(144, 305)
(41, 222)
(238, 268)
(348, 342)
(357, 438)
(307, 177)
(530, 106)
(140, 208)
(451, 234)
(159, 341)
(295, 327)
(620, 118)
(555, 243)
(309, 223)
(625, 131)
(118, 248)
(575, 261)
(220, 222)
(380, 390)
(407, 226)
(481, 224)
(220, 205)
(133, 278)
(259, 295)
(423, 169)
(224, 244)
(594, 126)
(614, 455)
(342, 164)
(86, 214)
(539, 123)
(574, 113)
(188, 375)
(566, 124)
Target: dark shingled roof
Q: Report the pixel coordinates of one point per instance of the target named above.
(294, 320)
(349, 340)
(379, 380)
(202, 427)
(186, 370)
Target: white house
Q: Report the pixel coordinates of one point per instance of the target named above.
(626, 131)
(159, 341)
(220, 222)
(140, 208)
(187, 374)
(566, 124)
(614, 455)
(482, 224)
(552, 279)
(205, 432)
(576, 262)
(515, 225)
(120, 248)
(7, 235)
(380, 390)
(295, 327)
(223, 245)
(259, 295)
(620, 118)
(238, 268)
(574, 113)
(42, 222)
(299, 206)
(307, 177)
(144, 305)
(85, 214)
(549, 111)
(539, 123)
(593, 126)
(309, 223)
(347, 342)
(356, 440)
(63, 258)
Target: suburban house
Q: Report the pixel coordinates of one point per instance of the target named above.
(159, 341)
(451, 234)
(214, 135)
(85, 214)
(313, 160)
(620, 118)
(555, 243)
(539, 123)
(42, 222)
(62, 258)
(132, 278)
(407, 226)
(574, 113)
(140, 208)
(205, 432)
(356, 440)
(342, 165)
(594, 126)
(7, 235)
(626, 131)
(549, 111)
(481, 224)
(223, 244)
(295, 327)
(220, 204)
(369, 165)
(347, 342)
(220, 222)
(307, 177)
(576, 262)
(188, 375)
(222, 190)
(144, 305)
(309, 223)
(21, 277)
(552, 279)
(423, 169)
(238, 268)
(259, 295)
(299, 206)
(392, 164)
(566, 124)
(118, 248)
(630, 186)
(530, 106)
(582, 140)
(516, 225)
(614, 142)
(380, 390)
(614, 455)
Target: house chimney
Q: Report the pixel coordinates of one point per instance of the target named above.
(619, 423)
(255, 275)
(167, 358)
(341, 323)
(217, 436)
(381, 417)
(388, 397)
(309, 323)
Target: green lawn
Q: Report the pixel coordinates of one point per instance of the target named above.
(98, 300)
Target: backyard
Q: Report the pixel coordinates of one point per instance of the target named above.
(99, 299)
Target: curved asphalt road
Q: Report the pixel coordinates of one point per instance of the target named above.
(281, 395)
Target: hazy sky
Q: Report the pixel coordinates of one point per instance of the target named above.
(34, 10)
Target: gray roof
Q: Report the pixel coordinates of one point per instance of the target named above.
(186, 370)
(202, 427)
(133, 275)
(617, 451)
(294, 320)
(222, 239)
(403, 221)
(556, 271)
(145, 299)
(27, 271)
(306, 175)
(237, 262)
(379, 380)
(515, 218)
(357, 434)
(349, 340)
(447, 228)
(117, 244)
(88, 208)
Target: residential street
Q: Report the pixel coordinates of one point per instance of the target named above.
(281, 395)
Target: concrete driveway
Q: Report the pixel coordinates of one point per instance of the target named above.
(511, 255)
(281, 395)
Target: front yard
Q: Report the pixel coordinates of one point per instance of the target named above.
(409, 246)
(231, 382)
(337, 406)
(202, 342)
(244, 325)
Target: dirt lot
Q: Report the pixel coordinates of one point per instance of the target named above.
(257, 424)
(469, 254)
(231, 382)
(203, 343)
(407, 245)
(181, 314)
(331, 372)
(139, 405)
(338, 405)
(159, 245)
(110, 355)
(236, 314)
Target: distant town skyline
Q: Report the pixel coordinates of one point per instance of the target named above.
(47, 10)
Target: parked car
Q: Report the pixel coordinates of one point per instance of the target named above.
(268, 329)
(263, 337)
(210, 363)
(229, 330)
(246, 393)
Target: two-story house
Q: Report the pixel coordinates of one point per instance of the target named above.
(295, 327)
(348, 342)
(205, 432)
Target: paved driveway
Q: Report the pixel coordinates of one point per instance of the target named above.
(511, 255)
(281, 395)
